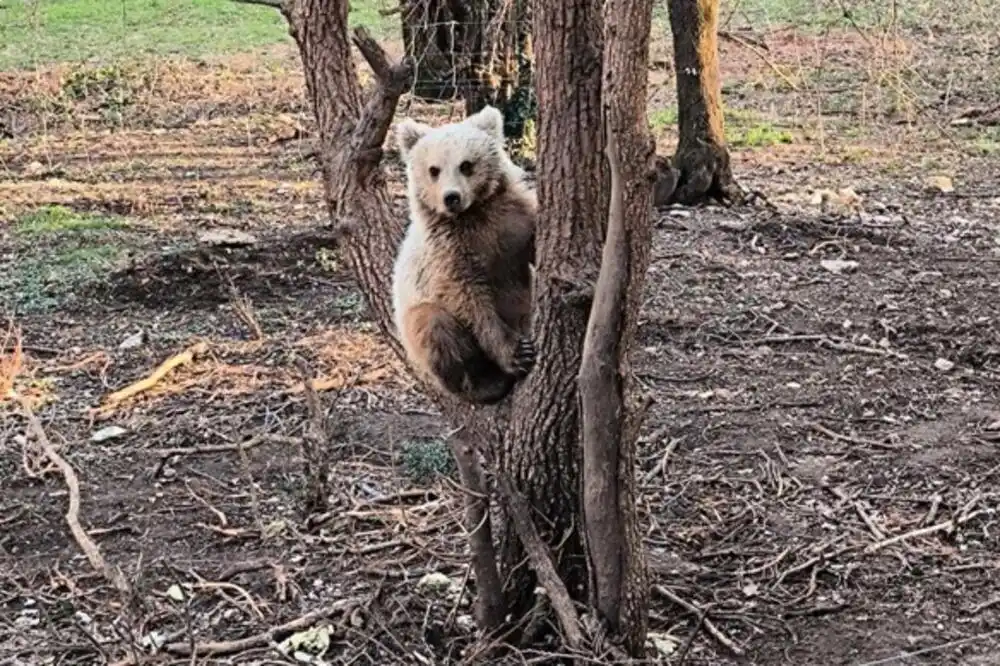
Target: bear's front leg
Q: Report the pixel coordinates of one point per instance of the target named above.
(514, 353)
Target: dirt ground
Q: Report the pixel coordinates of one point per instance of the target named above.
(819, 474)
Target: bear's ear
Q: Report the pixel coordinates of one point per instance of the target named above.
(490, 120)
(408, 132)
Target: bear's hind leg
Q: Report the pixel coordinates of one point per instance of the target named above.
(456, 358)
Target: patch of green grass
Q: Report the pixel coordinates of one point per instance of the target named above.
(37, 32)
(761, 135)
(661, 119)
(58, 219)
(425, 459)
(56, 253)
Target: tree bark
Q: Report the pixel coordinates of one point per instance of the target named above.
(540, 450)
(619, 581)
(701, 168)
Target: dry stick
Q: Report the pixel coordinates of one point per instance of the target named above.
(153, 379)
(710, 627)
(854, 440)
(225, 448)
(541, 562)
(185, 649)
(490, 606)
(947, 525)
(758, 49)
(86, 544)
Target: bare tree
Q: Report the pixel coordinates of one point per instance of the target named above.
(700, 168)
(583, 547)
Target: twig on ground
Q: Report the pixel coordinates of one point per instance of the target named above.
(710, 627)
(759, 49)
(157, 375)
(541, 562)
(902, 657)
(243, 307)
(945, 526)
(86, 544)
(854, 440)
(184, 649)
(979, 608)
(226, 448)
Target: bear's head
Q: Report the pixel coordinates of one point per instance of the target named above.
(452, 167)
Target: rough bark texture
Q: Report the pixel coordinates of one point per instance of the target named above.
(619, 581)
(702, 159)
(350, 143)
(540, 450)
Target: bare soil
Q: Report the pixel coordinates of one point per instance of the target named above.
(819, 474)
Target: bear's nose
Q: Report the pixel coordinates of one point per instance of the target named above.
(452, 200)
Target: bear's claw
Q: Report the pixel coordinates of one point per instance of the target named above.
(524, 356)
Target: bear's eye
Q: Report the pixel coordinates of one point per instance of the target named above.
(465, 168)
(435, 172)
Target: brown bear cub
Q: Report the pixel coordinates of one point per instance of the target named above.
(463, 277)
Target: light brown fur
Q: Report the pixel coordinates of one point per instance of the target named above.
(462, 282)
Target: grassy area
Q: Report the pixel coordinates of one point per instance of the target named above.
(37, 32)
(57, 252)
(743, 129)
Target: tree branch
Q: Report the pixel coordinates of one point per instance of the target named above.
(87, 545)
(603, 406)
(490, 607)
(275, 4)
(188, 648)
(541, 562)
(376, 118)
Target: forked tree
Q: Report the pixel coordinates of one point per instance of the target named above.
(559, 452)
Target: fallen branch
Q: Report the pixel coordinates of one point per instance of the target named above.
(275, 4)
(710, 627)
(541, 563)
(157, 375)
(226, 448)
(945, 526)
(188, 649)
(854, 440)
(759, 49)
(86, 544)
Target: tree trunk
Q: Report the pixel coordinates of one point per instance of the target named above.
(701, 163)
(540, 451)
